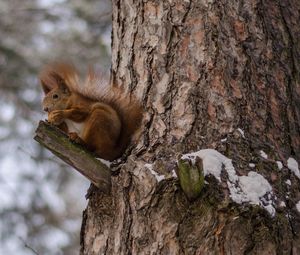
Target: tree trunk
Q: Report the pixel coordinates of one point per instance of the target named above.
(222, 75)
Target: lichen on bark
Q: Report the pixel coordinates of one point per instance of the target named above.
(191, 177)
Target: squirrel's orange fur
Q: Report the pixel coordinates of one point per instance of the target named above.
(102, 118)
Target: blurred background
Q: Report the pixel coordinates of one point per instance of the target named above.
(42, 199)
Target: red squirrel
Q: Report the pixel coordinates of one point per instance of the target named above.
(101, 117)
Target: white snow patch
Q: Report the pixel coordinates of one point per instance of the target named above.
(298, 206)
(293, 166)
(253, 188)
(271, 210)
(223, 140)
(263, 154)
(105, 162)
(158, 177)
(251, 165)
(213, 162)
(282, 204)
(288, 182)
(279, 165)
(174, 174)
(242, 132)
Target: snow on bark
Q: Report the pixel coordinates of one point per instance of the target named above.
(263, 154)
(279, 165)
(253, 188)
(293, 166)
(158, 177)
(298, 206)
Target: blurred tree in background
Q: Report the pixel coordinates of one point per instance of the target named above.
(40, 207)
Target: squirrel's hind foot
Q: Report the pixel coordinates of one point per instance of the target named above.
(75, 138)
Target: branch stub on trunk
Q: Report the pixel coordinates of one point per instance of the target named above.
(74, 154)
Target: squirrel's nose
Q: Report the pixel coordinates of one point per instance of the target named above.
(46, 109)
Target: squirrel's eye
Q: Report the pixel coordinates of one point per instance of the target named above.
(55, 96)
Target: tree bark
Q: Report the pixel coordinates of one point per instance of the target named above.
(211, 74)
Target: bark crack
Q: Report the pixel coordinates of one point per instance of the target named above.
(291, 78)
(82, 231)
(131, 61)
(106, 247)
(128, 215)
(170, 104)
(189, 8)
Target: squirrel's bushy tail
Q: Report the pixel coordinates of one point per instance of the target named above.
(95, 87)
(130, 113)
(127, 106)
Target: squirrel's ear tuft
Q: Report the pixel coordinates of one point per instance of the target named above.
(45, 87)
(58, 74)
(49, 80)
(63, 87)
(60, 83)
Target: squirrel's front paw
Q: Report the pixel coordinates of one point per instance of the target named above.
(74, 137)
(56, 117)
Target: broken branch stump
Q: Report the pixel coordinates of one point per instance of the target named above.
(74, 154)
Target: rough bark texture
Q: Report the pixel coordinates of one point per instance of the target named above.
(203, 69)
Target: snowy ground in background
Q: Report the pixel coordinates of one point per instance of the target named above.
(25, 182)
